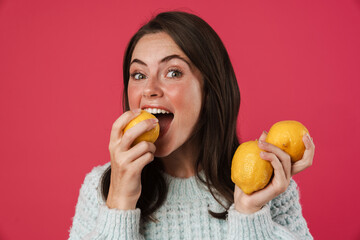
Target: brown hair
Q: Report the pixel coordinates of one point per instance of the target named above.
(217, 123)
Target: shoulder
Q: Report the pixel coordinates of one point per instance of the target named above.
(96, 173)
(89, 202)
(91, 184)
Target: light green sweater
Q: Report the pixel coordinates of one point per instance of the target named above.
(184, 215)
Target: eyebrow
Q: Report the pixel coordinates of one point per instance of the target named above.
(165, 59)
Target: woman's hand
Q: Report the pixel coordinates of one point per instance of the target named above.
(308, 157)
(127, 162)
(281, 163)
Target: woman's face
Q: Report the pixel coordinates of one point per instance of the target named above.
(163, 80)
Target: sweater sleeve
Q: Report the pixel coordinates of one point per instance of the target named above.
(286, 211)
(94, 220)
(281, 218)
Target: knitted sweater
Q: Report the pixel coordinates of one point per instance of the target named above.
(184, 215)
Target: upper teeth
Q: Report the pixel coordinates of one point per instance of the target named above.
(155, 110)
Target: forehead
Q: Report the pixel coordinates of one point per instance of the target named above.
(156, 45)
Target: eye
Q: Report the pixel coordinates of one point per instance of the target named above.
(174, 73)
(138, 76)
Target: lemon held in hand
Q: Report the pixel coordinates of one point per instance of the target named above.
(149, 136)
(288, 135)
(248, 171)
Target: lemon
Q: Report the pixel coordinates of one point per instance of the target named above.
(248, 171)
(288, 136)
(149, 136)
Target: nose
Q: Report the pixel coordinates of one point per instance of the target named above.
(152, 88)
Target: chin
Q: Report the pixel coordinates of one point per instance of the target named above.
(162, 151)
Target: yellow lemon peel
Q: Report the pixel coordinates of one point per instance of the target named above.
(149, 136)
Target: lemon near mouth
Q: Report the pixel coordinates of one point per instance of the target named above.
(149, 136)
(288, 135)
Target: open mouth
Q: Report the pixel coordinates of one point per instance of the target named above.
(165, 118)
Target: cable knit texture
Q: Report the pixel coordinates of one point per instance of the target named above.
(184, 215)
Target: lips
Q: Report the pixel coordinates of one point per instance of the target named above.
(164, 116)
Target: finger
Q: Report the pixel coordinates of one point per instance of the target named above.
(279, 182)
(283, 157)
(134, 132)
(142, 161)
(299, 166)
(275, 163)
(263, 136)
(140, 149)
(121, 123)
(308, 157)
(308, 141)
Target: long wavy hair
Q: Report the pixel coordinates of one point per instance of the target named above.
(217, 123)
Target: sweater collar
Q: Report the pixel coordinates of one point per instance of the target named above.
(182, 189)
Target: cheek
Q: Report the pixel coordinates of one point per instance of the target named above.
(187, 100)
(134, 96)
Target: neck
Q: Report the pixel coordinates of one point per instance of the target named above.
(181, 162)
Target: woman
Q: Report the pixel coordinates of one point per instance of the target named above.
(180, 187)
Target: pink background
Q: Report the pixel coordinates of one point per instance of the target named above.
(60, 92)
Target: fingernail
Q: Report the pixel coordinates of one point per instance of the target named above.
(154, 120)
(265, 132)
